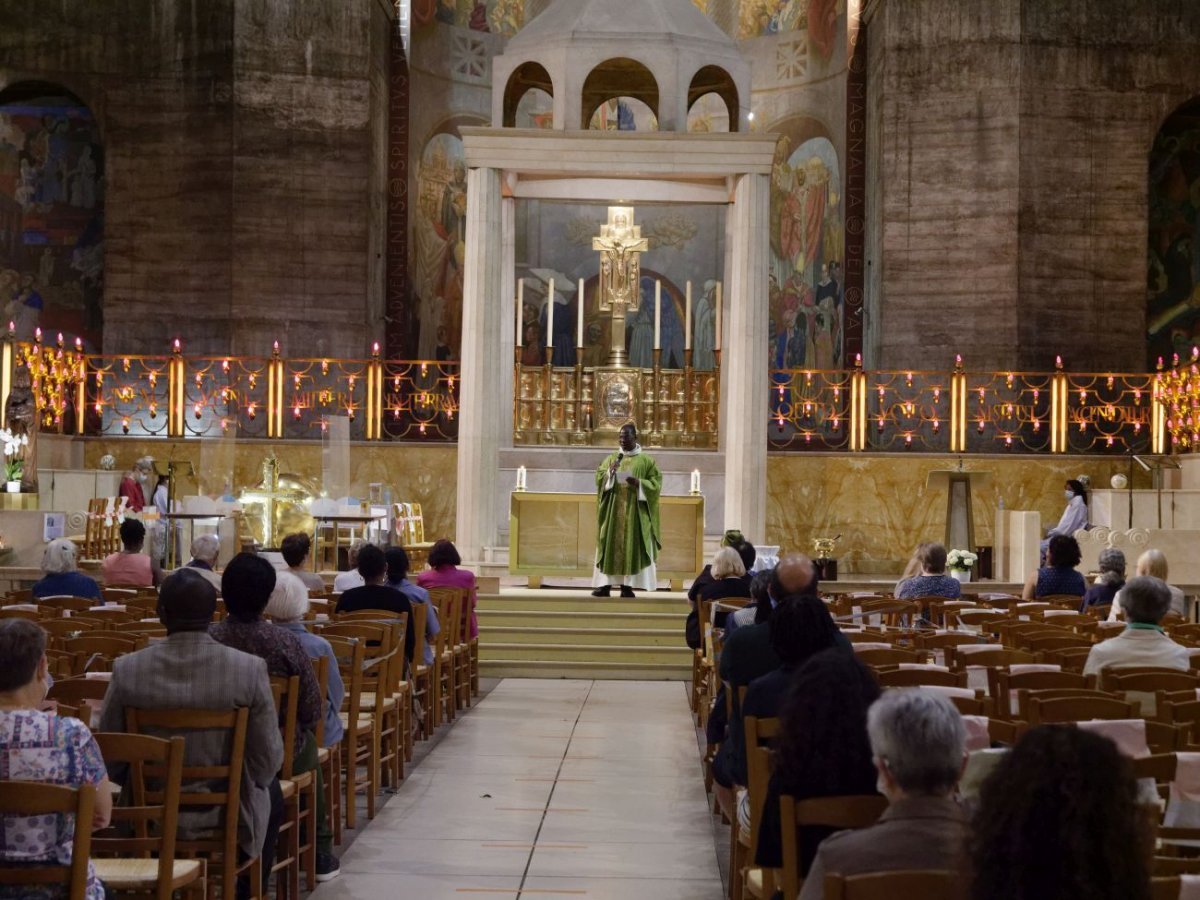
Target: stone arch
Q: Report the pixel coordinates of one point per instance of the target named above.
(1172, 238)
(618, 77)
(51, 211)
(526, 77)
(715, 80)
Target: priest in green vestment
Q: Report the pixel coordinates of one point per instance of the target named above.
(628, 539)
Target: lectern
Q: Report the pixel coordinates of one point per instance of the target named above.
(960, 518)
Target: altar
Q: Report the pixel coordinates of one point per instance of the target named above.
(554, 534)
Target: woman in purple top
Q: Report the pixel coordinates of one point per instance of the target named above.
(1058, 576)
(42, 746)
(443, 571)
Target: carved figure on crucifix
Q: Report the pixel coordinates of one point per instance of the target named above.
(620, 244)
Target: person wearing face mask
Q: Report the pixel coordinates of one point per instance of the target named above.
(1074, 516)
(44, 747)
(628, 538)
(134, 484)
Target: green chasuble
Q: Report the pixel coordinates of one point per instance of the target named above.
(628, 537)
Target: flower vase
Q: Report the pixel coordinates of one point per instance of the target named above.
(962, 575)
(14, 487)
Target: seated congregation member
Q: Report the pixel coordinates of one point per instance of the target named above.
(731, 538)
(1152, 562)
(61, 576)
(129, 565)
(759, 610)
(1059, 819)
(397, 580)
(296, 550)
(1111, 580)
(205, 550)
(801, 627)
(931, 580)
(45, 747)
(729, 580)
(375, 594)
(1058, 576)
(822, 749)
(918, 742)
(913, 566)
(344, 581)
(190, 670)
(246, 586)
(1143, 642)
(444, 571)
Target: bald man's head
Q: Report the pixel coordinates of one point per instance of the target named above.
(795, 574)
(186, 601)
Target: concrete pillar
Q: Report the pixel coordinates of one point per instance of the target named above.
(486, 368)
(744, 385)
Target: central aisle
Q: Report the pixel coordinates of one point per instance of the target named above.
(548, 789)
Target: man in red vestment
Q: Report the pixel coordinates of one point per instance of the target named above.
(133, 484)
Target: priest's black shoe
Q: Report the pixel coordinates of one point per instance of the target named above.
(626, 591)
(605, 591)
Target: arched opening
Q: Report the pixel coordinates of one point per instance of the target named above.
(530, 76)
(713, 80)
(1173, 245)
(623, 114)
(619, 79)
(708, 114)
(536, 110)
(51, 212)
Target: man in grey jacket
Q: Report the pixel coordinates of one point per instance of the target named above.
(190, 670)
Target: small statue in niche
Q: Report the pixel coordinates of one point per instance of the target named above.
(21, 416)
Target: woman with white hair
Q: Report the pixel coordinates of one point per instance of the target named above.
(1111, 580)
(61, 577)
(286, 607)
(1154, 563)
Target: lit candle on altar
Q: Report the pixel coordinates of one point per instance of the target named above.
(717, 336)
(657, 314)
(579, 317)
(687, 318)
(521, 478)
(695, 489)
(550, 315)
(520, 311)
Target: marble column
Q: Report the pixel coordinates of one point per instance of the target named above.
(744, 384)
(486, 368)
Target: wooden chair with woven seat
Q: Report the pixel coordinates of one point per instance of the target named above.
(32, 798)
(1003, 685)
(927, 884)
(74, 691)
(360, 742)
(1023, 696)
(328, 758)
(142, 833)
(94, 652)
(1042, 643)
(760, 761)
(1142, 684)
(960, 658)
(1185, 715)
(936, 641)
(891, 611)
(61, 630)
(291, 852)
(838, 813)
(443, 658)
(53, 607)
(897, 678)
(1048, 710)
(462, 653)
(878, 656)
(18, 613)
(219, 846)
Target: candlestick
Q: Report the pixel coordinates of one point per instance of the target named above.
(521, 475)
(695, 489)
(550, 315)
(687, 318)
(579, 322)
(657, 314)
(717, 336)
(520, 311)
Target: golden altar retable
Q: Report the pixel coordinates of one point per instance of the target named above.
(555, 534)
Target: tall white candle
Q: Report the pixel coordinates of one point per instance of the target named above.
(579, 323)
(657, 314)
(687, 318)
(520, 311)
(695, 487)
(550, 315)
(717, 337)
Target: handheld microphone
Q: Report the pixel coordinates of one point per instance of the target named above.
(620, 455)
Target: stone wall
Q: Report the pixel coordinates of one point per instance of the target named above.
(238, 156)
(1010, 160)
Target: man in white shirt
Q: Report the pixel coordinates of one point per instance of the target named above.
(1143, 643)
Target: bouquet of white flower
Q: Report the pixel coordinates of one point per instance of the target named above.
(962, 560)
(14, 453)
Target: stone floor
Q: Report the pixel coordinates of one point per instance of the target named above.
(548, 789)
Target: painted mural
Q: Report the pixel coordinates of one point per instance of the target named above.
(504, 17)
(807, 243)
(757, 18)
(51, 217)
(438, 233)
(1173, 252)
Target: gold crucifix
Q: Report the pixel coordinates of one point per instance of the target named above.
(620, 245)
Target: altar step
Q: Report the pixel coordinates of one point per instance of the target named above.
(570, 634)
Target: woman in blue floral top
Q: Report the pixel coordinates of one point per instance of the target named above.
(41, 746)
